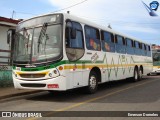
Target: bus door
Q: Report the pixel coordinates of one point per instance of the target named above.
(75, 50)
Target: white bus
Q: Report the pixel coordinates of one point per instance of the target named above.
(58, 52)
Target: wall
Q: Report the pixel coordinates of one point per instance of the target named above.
(3, 43)
(5, 70)
(5, 76)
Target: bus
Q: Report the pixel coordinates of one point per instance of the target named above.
(156, 60)
(58, 52)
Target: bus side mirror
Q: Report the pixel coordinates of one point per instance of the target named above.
(73, 33)
(10, 34)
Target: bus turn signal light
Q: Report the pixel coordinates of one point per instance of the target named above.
(60, 68)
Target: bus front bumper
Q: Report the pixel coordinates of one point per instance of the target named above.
(58, 84)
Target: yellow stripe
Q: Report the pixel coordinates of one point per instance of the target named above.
(66, 67)
(20, 73)
(97, 98)
(156, 67)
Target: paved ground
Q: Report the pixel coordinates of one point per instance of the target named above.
(115, 96)
(9, 92)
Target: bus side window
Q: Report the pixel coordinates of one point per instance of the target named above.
(78, 41)
(137, 48)
(107, 41)
(140, 48)
(74, 41)
(148, 51)
(144, 53)
(92, 38)
(130, 46)
(121, 44)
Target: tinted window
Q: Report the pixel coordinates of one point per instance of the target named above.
(136, 44)
(74, 41)
(120, 40)
(144, 53)
(143, 46)
(140, 45)
(138, 48)
(78, 41)
(92, 38)
(107, 42)
(130, 46)
(129, 42)
(148, 50)
(121, 44)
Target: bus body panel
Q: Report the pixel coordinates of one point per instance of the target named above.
(112, 66)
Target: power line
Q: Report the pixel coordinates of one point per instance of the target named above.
(70, 6)
(14, 12)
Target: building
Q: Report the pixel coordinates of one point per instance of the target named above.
(155, 47)
(6, 50)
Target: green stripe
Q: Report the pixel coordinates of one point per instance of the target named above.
(79, 62)
(55, 65)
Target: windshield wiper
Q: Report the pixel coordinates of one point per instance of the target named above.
(47, 38)
(26, 37)
(42, 34)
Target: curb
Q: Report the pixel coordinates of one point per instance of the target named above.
(18, 94)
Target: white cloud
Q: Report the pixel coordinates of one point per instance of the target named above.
(140, 29)
(124, 15)
(64, 3)
(101, 8)
(105, 10)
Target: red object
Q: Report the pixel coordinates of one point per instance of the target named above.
(91, 42)
(53, 86)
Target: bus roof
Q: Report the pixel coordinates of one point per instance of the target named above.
(86, 22)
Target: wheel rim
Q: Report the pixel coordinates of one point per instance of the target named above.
(140, 74)
(136, 75)
(92, 82)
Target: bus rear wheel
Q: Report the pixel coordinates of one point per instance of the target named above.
(140, 73)
(136, 75)
(92, 83)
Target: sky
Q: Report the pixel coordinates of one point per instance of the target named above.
(126, 16)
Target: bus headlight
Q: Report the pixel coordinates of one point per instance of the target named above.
(50, 75)
(54, 73)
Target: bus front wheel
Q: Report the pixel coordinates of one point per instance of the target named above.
(92, 83)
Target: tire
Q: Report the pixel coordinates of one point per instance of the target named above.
(51, 91)
(136, 75)
(140, 74)
(92, 83)
(149, 74)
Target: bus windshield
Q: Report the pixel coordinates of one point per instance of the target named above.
(40, 43)
(156, 58)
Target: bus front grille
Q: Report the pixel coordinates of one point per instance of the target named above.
(32, 75)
